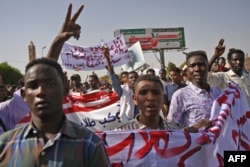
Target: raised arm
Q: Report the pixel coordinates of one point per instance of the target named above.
(69, 29)
(112, 76)
(105, 51)
(219, 50)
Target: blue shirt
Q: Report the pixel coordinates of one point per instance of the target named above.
(72, 146)
(170, 88)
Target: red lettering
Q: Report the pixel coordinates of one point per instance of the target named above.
(116, 164)
(129, 141)
(220, 160)
(152, 139)
(204, 139)
(187, 155)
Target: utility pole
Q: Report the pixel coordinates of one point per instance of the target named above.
(43, 49)
(162, 58)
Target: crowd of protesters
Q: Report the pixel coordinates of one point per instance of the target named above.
(180, 99)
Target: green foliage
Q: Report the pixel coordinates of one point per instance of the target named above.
(169, 66)
(182, 65)
(172, 65)
(10, 74)
(104, 78)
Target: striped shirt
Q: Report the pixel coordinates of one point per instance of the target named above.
(136, 124)
(72, 146)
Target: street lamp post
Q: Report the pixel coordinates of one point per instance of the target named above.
(43, 49)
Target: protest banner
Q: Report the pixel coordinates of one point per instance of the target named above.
(91, 58)
(155, 148)
(136, 58)
(99, 111)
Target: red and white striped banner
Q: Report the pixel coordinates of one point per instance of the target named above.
(99, 111)
(230, 115)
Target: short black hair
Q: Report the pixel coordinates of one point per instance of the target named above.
(150, 70)
(94, 76)
(48, 62)
(76, 76)
(197, 52)
(148, 78)
(175, 69)
(163, 70)
(133, 72)
(232, 51)
(123, 73)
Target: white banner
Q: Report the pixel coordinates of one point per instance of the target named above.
(91, 58)
(230, 115)
(99, 111)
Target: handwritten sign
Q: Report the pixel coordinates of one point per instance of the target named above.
(91, 58)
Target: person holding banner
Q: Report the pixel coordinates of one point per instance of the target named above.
(123, 77)
(148, 96)
(193, 102)
(128, 109)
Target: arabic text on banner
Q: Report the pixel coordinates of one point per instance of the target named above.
(230, 131)
(91, 58)
(99, 111)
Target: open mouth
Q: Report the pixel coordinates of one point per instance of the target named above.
(151, 107)
(42, 104)
(197, 76)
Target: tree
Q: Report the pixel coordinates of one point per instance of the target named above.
(10, 74)
(183, 65)
(169, 66)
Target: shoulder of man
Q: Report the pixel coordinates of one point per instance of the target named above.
(130, 125)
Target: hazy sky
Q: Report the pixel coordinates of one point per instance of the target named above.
(204, 22)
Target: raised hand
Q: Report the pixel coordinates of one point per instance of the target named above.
(68, 29)
(220, 48)
(105, 51)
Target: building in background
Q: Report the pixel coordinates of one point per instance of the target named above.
(32, 51)
(247, 63)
